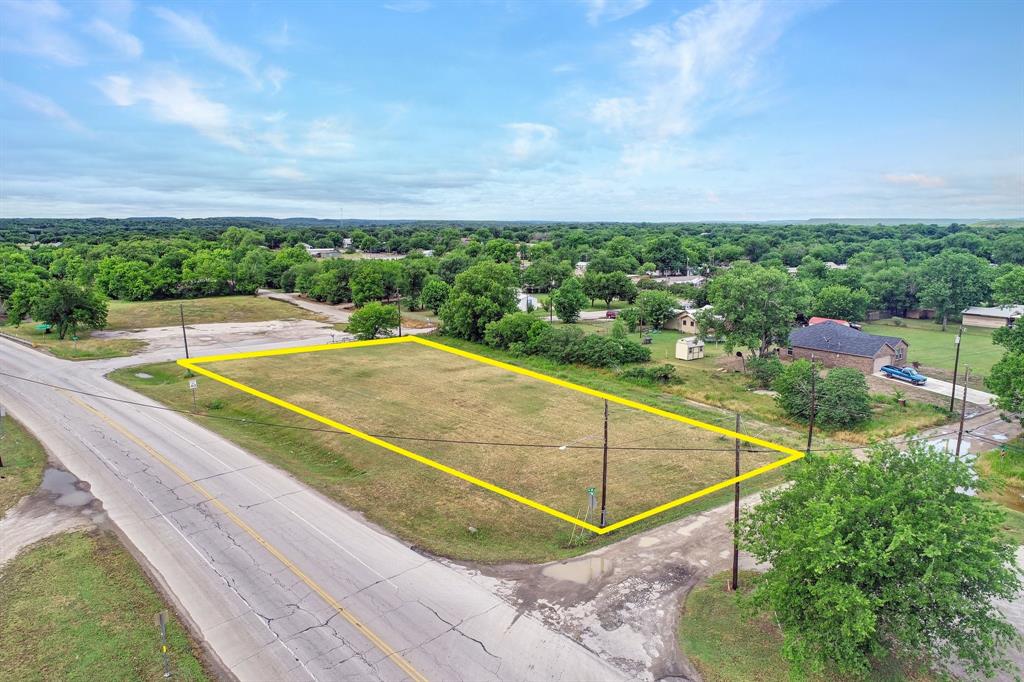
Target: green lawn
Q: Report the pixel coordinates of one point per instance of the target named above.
(469, 401)
(1003, 469)
(24, 461)
(936, 349)
(145, 314)
(726, 644)
(714, 381)
(78, 607)
(85, 348)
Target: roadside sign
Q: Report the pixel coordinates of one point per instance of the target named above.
(193, 384)
(161, 623)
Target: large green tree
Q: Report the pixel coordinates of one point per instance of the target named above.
(885, 556)
(952, 281)
(482, 293)
(569, 300)
(840, 302)
(372, 320)
(752, 307)
(68, 306)
(1008, 288)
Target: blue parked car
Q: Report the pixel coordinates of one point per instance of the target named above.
(908, 374)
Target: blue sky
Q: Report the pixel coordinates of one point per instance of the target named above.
(593, 110)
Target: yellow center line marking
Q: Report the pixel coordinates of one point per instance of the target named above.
(791, 454)
(379, 643)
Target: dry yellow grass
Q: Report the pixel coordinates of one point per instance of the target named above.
(405, 393)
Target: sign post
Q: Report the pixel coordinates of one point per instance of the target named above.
(193, 385)
(3, 413)
(161, 623)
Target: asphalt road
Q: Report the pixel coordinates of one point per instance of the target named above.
(281, 583)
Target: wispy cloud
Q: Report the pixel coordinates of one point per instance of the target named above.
(40, 104)
(173, 98)
(915, 180)
(285, 173)
(600, 11)
(193, 32)
(408, 6)
(281, 39)
(327, 137)
(531, 140)
(276, 76)
(687, 71)
(121, 41)
(33, 27)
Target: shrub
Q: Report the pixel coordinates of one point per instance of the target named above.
(764, 371)
(570, 344)
(844, 399)
(659, 374)
(631, 316)
(618, 329)
(794, 388)
(512, 328)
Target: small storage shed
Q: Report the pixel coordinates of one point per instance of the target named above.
(689, 348)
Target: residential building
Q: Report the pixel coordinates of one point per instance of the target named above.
(836, 345)
(1003, 316)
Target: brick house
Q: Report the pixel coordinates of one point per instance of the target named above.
(836, 345)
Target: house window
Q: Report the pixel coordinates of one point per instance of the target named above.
(899, 353)
(789, 351)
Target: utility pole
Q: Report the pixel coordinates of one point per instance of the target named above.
(956, 364)
(399, 315)
(814, 405)
(963, 413)
(604, 470)
(184, 337)
(736, 517)
(3, 413)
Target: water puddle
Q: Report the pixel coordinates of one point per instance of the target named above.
(581, 571)
(67, 489)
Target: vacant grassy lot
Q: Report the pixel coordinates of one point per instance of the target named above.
(86, 348)
(1004, 470)
(728, 645)
(409, 393)
(124, 315)
(714, 381)
(24, 460)
(145, 314)
(78, 607)
(935, 349)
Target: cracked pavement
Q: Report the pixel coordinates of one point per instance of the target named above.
(266, 603)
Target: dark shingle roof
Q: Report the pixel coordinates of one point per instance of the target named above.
(838, 338)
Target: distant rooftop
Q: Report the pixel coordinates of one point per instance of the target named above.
(834, 337)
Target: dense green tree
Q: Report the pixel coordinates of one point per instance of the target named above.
(252, 270)
(667, 253)
(543, 275)
(1008, 288)
(435, 293)
(367, 284)
(607, 286)
(501, 250)
(209, 272)
(483, 293)
(752, 307)
(128, 280)
(893, 288)
(512, 328)
(952, 281)
(844, 400)
(372, 320)
(656, 307)
(842, 303)
(569, 300)
(793, 386)
(885, 556)
(1009, 248)
(68, 306)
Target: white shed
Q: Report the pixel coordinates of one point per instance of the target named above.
(689, 348)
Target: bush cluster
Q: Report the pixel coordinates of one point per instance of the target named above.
(659, 374)
(523, 334)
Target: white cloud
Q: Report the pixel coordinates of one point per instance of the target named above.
(280, 39)
(531, 140)
(32, 27)
(197, 35)
(599, 11)
(276, 76)
(172, 98)
(408, 6)
(41, 104)
(915, 180)
(327, 137)
(121, 41)
(686, 72)
(285, 173)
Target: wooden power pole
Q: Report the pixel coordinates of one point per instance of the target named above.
(736, 517)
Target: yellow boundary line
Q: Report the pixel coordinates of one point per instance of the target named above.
(373, 637)
(792, 455)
